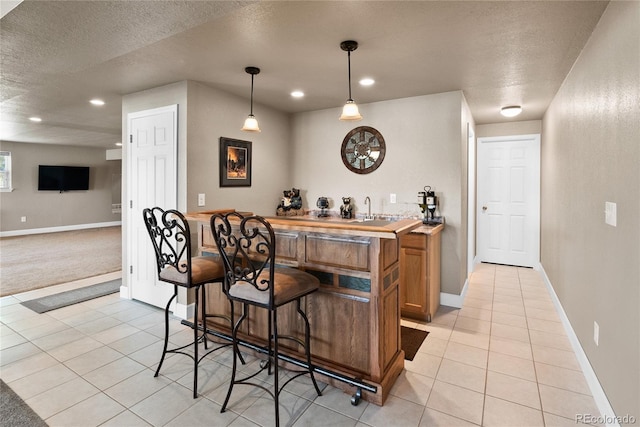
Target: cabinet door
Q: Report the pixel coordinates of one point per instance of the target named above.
(413, 282)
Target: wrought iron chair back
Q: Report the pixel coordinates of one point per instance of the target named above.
(247, 246)
(171, 238)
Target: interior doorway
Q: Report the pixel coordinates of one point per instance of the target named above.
(508, 200)
(152, 181)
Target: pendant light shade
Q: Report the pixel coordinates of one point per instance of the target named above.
(350, 109)
(251, 123)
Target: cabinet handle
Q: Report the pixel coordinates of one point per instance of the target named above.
(484, 208)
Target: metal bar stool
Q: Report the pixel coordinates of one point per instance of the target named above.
(171, 237)
(248, 248)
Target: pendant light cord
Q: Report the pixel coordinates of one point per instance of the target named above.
(349, 60)
(251, 112)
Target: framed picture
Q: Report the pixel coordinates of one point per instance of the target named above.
(235, 163)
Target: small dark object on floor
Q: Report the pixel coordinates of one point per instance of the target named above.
(411, 340)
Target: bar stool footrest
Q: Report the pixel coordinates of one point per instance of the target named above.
(358, 383)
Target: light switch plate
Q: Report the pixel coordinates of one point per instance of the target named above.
(610, 213)
(392, 198)
(201, 199)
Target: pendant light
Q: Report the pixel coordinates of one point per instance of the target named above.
(350, 109)
(251, 124)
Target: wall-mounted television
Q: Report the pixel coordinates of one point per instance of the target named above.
(63, 178)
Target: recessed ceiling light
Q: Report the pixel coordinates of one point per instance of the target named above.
(367, 82)
(35, 119)
(511, 111)
(96, 101)
(297, 94)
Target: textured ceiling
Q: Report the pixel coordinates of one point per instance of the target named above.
(56, 55)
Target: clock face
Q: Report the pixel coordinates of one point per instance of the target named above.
(363, 150)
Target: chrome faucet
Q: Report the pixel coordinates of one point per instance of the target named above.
(367, 201)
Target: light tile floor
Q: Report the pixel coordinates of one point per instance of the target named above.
(502, 359)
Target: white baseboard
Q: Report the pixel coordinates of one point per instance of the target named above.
(125, 292)
(606, 411)
(453, 300)
(60, 228)
(184, 311)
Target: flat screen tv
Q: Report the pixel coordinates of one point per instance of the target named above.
(63, 178)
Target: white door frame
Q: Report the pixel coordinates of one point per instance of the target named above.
(534, 220)
(132, 210)
(471, 200)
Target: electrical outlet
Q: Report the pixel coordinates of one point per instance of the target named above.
(23, 219)
(201, 199)
(392, 198)
(596, 333)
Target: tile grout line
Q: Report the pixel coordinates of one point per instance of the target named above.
(486, 374)
(533, 362)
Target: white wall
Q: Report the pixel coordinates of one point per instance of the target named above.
(528, 127)
(424, 146)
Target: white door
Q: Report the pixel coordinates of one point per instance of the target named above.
(508, 208)
(153, 179)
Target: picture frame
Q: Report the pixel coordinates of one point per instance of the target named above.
(235, 162)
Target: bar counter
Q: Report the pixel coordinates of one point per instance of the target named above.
(355, 316)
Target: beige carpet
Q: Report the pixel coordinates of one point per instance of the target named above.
(41, 260)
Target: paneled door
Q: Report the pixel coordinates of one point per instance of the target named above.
(152, 181)
(508, 211)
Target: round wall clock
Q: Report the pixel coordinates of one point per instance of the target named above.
(363, 150)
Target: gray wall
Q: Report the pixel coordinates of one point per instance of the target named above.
(204, 115)
(214, 113)
(591, 154)
(45, 209)
(426, 143)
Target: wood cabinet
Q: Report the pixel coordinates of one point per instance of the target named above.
(355, 316)
(420, 273)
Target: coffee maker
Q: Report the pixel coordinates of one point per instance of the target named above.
(428, 202)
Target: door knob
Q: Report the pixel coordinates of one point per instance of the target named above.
(484, 208)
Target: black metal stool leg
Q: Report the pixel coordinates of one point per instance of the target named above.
(307, 346)
(276, 390)
(236, 351)
(166, 329)
(203, 303)
(232, 325)
(270, 347)
(195, 345)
